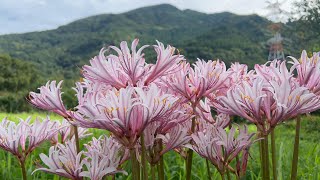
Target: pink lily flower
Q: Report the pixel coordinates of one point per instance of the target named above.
(308, 71)
(277, 70)
(239, 72)
(99, 166)
(291, 100)
(176, 137)
(179, 82)
(269, 99)
(168, 132)
(203, 111)
(66, 132)
(49, 99)
(213, 73)
(133, 65)
(105, 70)
(126, 112)
(22, 138)
(194, 84)
(108, 146)
(167, 63)
(221, 147)
(63, 161)
(244, 100)
(104, 155)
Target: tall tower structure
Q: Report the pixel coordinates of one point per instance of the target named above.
(276, 15)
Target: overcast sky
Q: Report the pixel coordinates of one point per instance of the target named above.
(18, 16)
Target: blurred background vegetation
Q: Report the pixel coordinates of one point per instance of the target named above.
(31, 59)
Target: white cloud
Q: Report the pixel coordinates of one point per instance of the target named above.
(33, 15)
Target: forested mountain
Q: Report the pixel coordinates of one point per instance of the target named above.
(197, 34)
(60, 53)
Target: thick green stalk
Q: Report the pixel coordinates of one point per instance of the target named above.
(153, 173)
(262, 157)
(161, 163)
(76, 136)
(23, 169)
(294, 168)
(266, 157)
(208, 169)
(222, 176)
(273, 151)
(228, 175)
(190, 153)
(143, 159)
(135, 165)
(238, 176)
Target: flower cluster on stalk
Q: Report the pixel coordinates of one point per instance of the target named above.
(20, 139)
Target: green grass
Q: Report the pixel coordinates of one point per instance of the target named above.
(24, 115)
(309, 159)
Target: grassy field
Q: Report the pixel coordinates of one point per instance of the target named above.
(309, 159)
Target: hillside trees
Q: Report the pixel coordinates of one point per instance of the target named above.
(17, 77)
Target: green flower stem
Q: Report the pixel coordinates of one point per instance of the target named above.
(23, 169)
(143, 159)
(190, 153)
(222, 176)
(294, 169)
(273, 151)
(160, 163)
(153, 174)
(76, 136)
(208, 169)
(135, 165)
(228, 175)
(266, 147)
(262, 157)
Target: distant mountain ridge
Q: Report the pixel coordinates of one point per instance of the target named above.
(224, 35)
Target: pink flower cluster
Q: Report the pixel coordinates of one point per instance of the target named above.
(170, 105)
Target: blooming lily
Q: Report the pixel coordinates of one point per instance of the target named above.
(308, 71)
(63, 160)
(221, 147)
(49, 99)
(22, 138)
(126, 112)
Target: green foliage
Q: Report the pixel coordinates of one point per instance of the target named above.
(17, 77)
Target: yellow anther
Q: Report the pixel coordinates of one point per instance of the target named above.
(117, 93)
(69, 164)
(3, 139)
(172, 50)
(164, 101)
(214, 63)
(246, 97)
